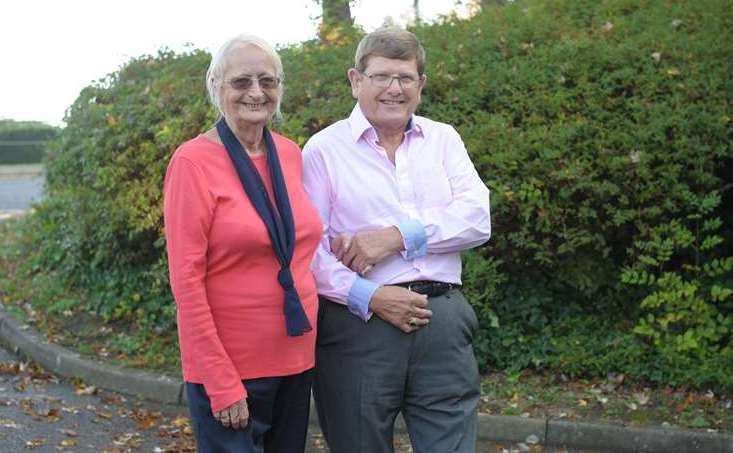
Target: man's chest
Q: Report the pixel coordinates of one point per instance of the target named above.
(371, 191)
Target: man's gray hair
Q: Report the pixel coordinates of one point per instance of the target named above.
(215, 73)
(390, 42)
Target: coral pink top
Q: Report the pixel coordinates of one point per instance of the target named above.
(223, 271)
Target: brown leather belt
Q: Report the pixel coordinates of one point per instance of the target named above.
(428, 287)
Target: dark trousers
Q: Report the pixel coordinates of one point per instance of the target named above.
(278, 417)
(367, 373)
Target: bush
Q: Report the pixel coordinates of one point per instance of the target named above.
(596, 125)
(101, 223)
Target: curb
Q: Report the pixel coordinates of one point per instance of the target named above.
(23, 340)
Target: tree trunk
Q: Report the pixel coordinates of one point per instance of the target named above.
(336, 16)
(416, 9)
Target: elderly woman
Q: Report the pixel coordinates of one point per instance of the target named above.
(240, 237)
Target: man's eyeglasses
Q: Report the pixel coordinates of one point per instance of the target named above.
(385, 80)
(246, 82)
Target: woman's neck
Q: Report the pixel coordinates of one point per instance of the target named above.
(249, 136)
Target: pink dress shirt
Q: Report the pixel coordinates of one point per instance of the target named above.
(432, 193)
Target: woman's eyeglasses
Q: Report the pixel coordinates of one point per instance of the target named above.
(246, 82)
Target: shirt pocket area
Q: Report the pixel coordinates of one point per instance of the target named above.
(433, 187)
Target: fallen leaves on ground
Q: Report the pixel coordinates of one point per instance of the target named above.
(146, 419)
(41, 408)
(9, 368)
(131, 440)
(613, 399)
(7, 423)
(69, 443)
(35, 443)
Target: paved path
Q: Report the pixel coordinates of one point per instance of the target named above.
(39, 411)
(19, 188)
(45, 413)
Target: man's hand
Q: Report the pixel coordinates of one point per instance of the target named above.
(235, 416)
(401, 307)
(366, 248)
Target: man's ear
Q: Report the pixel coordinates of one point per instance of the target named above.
(355, 78)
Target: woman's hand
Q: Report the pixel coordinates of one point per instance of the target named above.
(235, 416)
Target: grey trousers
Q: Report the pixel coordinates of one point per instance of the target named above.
(367, 373)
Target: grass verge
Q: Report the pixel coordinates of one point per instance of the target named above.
(611, 400)
(41, 299)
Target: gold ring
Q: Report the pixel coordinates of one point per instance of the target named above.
(412, 322)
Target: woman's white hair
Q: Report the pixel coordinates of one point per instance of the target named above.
(215, 73)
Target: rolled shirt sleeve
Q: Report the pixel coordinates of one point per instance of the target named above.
(414, 238)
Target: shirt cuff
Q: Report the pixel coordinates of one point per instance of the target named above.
(416, 241)
(360, 296)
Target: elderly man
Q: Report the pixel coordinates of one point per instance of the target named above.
(399, 199)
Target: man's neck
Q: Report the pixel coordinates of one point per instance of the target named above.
(390, 141)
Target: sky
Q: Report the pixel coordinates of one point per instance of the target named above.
(51, 49)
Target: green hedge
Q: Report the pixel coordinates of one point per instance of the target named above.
(602, 128)
(23, 142)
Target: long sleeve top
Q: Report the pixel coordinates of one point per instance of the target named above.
(431, 192)
(223, 271)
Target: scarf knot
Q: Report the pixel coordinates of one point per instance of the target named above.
(285, 277)
(278, 218)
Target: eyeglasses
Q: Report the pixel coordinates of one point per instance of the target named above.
(244, 83)
(385, 80)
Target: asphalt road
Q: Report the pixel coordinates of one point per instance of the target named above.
(42, 412)
(17, 192)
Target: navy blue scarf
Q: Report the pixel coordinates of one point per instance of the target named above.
(280, 225)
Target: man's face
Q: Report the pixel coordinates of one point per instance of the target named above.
(386, 102)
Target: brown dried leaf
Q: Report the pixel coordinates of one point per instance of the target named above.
(146, 419)
(7, 423)
(69, 443)
(104, 414)
(180, 422)
(113, 398)
(9, 368)
(641, 398)
(132, 440)
(85, 390)
(22, 384)
(35, 443)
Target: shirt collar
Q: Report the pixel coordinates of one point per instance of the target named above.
(359, 124)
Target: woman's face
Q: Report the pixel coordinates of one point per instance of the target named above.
(250, 91)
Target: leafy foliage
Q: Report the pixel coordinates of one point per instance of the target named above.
(100, 224)
(603, 130)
